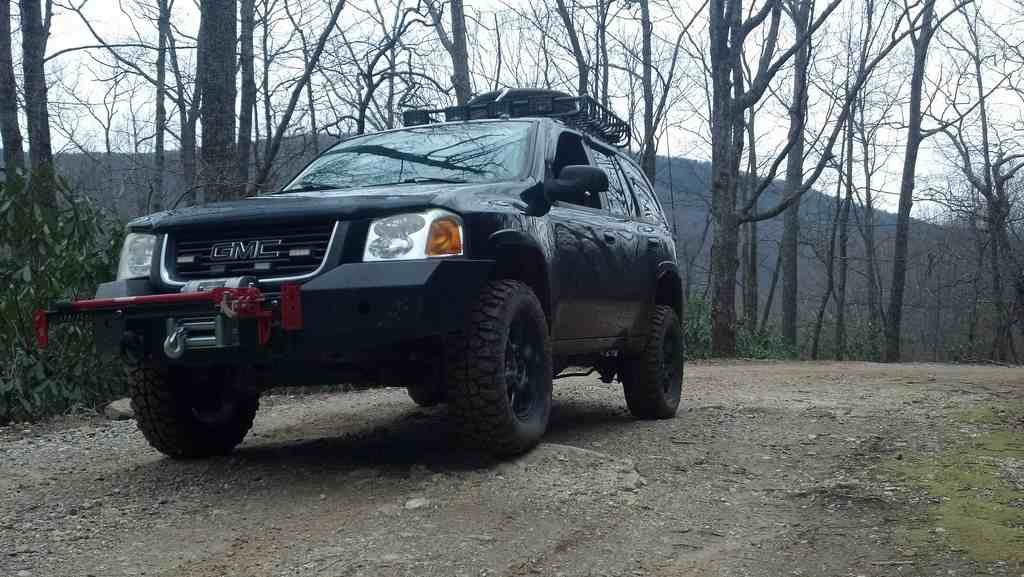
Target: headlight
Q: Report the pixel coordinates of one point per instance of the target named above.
(136, 256)
(435, 233)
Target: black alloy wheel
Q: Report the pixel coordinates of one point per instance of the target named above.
(499, 370)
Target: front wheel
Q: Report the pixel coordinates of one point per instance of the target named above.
(499, 370)
(190, 413)
(652, 377)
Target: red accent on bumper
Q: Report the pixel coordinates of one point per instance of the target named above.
(247, 299)
(241, 303)
(291, 307)
(42, 325)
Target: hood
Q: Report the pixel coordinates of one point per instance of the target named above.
(342, 204)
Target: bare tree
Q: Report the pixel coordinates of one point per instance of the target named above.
(582, 66)
(989, 168)
(730, 100)
(455, 45)
(800, 12)
(10, 131)
(183, 91)
(830, 263)
(375, 60)
(274, 142)
(247, 107)
(867, 135)
(843, 242)
(920, 40)
(655, 90)
(217, 67)
(160, 129)
(728, 30)
(35, 27)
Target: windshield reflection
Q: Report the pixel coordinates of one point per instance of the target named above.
(453, 153)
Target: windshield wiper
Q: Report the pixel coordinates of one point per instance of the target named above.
(423, 179)
(432, 179)
(312, 186)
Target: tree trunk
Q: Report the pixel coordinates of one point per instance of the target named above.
(33, 45)
(724, 264)
(460, 54)
(875, 317)
(914, 138)
(187, 116)
(648, 158)
(844, 238)
(582, 68)
(771, 292)
(159, 157)
(829, 279)
(749, 250)
(219, 32)
(248, 99)
(1000, 330)
(602, 49)
(10, 131)
(794, 180)
(726, 148)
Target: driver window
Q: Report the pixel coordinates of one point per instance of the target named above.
(570, 151)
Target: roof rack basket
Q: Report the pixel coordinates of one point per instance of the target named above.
(580, 112)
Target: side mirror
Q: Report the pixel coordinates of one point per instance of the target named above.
(571, 185)
(576, 179)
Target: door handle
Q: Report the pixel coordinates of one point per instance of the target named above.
(609, 238)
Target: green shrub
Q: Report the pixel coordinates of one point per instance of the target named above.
(697, 329)
(48, 255)
(750, 343)
(758, 344)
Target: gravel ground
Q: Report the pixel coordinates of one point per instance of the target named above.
(769, 469)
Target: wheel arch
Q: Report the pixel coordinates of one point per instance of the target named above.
(669, 288)
(520, 257)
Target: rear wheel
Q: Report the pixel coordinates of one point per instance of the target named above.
(191, 413)
(652, 377)
(499, 370)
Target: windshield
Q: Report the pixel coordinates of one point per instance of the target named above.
(463, 152)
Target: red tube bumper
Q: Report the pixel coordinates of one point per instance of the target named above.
(235, 303)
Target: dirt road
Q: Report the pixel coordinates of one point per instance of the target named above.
(770, 469)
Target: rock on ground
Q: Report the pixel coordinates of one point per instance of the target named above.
(119, 410)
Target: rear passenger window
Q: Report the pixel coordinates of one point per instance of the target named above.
(649, 208)
(619, 201)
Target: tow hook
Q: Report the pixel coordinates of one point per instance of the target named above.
(174, 344)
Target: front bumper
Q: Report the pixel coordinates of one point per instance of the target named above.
(351, 308)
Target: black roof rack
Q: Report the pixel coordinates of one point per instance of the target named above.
(580, 112)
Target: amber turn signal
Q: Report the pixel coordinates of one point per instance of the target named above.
(445, 238)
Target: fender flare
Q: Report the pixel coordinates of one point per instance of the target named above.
(509, 238)
(669, 268)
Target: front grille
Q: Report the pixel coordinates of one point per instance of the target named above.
(265, 252)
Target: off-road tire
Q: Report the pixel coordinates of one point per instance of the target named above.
(166, 401)
(652, 377)
(477, 369)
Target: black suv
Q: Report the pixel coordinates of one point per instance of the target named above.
(470, 260)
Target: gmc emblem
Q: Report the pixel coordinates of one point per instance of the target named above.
(245, 250)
